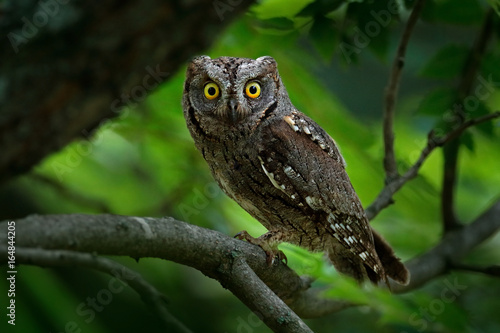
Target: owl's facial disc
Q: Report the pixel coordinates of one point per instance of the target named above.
(233, 90)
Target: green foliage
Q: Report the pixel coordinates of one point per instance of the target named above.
(469, 12)
(447, 63)
(320, 8)
(495, 4)
(437, 101)
(144, 163)
(324, 36)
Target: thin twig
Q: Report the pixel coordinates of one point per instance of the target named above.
(469, 123)
(149, 294)
(391, 93)
(433, 142)
(384, 198)
(451, 151)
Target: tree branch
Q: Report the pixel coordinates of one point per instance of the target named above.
(391, 92)
(384, 198)
(451, 151)
(450, 166)
(209, 251)
(493, 271)
(246, 285)
(453, 247)
(146, 291)
(237, 265)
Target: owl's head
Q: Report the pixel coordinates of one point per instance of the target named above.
(228, 92)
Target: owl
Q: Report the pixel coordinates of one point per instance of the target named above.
(281, 167)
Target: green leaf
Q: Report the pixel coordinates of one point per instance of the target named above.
(324, 36)
(437, 102)
(320, 7)
(467, 140)
(380, 45)
(347, 289)
(277, 23)
(495, 4)
(487, 127)
(373, 21)
(447, 63)
(467, 12)
(349, 52)
(490, 71)
(278, 8)
(409, 3)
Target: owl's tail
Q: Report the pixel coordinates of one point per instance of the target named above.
(352, 265)
(393, 266)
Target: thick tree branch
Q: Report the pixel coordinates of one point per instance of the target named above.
(209, 251)
(148, 293)
(223, 258)
(384, 198)
(251, 290)
(391, 92)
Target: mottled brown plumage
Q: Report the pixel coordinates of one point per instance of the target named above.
(280, 166)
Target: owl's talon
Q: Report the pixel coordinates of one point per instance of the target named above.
(277, 254)
(282, 257)
(244, 235)
(271, 253)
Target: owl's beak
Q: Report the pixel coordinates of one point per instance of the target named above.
(233, 110)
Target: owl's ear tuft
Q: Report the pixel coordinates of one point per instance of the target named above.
(195, 64)
(200, 59)
(267, 60)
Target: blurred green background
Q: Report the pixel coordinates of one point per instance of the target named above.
(144, 163)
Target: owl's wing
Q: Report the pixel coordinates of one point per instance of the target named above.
(307, 166)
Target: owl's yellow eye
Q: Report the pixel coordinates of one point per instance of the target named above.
(252, 89)
(211, 90)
